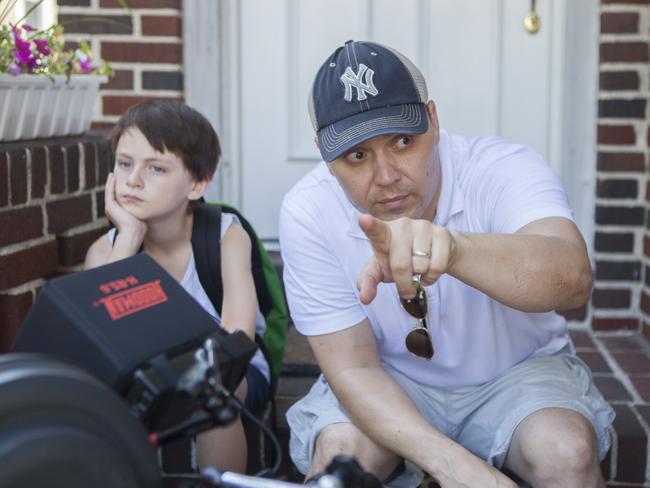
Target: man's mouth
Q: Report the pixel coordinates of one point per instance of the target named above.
(393, 201)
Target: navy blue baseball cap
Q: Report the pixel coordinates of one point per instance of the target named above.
(365, 90)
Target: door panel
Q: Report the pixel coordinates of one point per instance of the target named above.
(486, 74)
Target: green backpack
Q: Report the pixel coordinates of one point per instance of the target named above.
(206, 239)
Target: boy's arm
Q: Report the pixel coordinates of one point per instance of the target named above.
(129, 238)
(239, 298)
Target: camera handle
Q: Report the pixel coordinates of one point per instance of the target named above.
(342, 472)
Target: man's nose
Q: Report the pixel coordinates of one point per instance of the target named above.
(386, 171)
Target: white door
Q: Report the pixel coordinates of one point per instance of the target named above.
(486, 74)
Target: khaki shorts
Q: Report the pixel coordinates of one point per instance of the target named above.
(482, 418)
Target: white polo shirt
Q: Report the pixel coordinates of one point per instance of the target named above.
(489, 185)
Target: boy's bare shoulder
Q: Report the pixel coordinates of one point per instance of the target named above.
(235, 242)
(98, 252)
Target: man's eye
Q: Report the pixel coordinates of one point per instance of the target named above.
(158, 169)
(405, 140)
(124, 164)
(356, 156)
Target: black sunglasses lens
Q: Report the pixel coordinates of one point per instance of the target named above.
(416, 306)
(418, 342)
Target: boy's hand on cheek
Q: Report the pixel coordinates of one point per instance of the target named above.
(125, 221)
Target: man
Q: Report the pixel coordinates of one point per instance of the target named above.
(425, 269)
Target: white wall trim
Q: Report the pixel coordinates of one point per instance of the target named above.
(579, 117)
(210, 54)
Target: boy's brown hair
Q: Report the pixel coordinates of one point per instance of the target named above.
(175, 127)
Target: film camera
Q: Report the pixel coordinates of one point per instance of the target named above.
(108, 365)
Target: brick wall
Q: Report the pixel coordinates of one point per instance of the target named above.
(145, 49)
(622, 240)
(51, 209)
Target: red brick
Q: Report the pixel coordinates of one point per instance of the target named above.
(90, 165)
(611, 324)
(102, 125)
(616, 134)
(619, 22)
(114, 105)
(645, 302)
(122, 79)
(72, 167)
(162, 25)
(624, 52)
(39, 171)
(633, 442)
(642, 385)
(141, 4)
(18, 176)
(20, 225)
(104, 161)
(646, 331)
(13, 309)
(622, 108)
(611, 298)
(633, 362)
(28, 264)
(96, 24)
(621, 161)
(595, 361)
(99, 196)
(618, 242)
(57, 169)
(4, 180)
(646, 246)
(72, 249)
(619, 80)
(68, 213)
(71, 45)
(140, 52)
(617, 188)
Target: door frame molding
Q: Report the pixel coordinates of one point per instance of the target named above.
(573, 117)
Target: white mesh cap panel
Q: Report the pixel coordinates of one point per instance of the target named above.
(312, 109)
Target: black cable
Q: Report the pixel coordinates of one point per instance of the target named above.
(269, 433)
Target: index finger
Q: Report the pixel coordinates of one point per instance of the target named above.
(377, 231)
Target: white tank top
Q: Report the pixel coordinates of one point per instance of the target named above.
(191, 283)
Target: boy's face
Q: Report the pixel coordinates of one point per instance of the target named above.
(150, 184)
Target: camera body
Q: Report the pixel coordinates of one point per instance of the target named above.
(132, 326)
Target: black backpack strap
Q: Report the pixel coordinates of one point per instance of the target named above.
(206, 245)
(257, 266)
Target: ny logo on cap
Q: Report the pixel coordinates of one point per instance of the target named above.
(350, 79)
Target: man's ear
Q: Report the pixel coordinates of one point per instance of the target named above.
(198, 189)
(316, 142)
(433, 120)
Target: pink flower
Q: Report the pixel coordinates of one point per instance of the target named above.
(28, 28)
(42, 46)
(85, 65)
(13, 69)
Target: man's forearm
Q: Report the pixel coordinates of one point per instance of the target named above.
(532, 273)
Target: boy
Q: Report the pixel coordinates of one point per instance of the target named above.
(166, 154)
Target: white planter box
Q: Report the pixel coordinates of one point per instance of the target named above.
(32, 106)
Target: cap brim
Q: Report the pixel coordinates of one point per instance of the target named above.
(339, 137)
